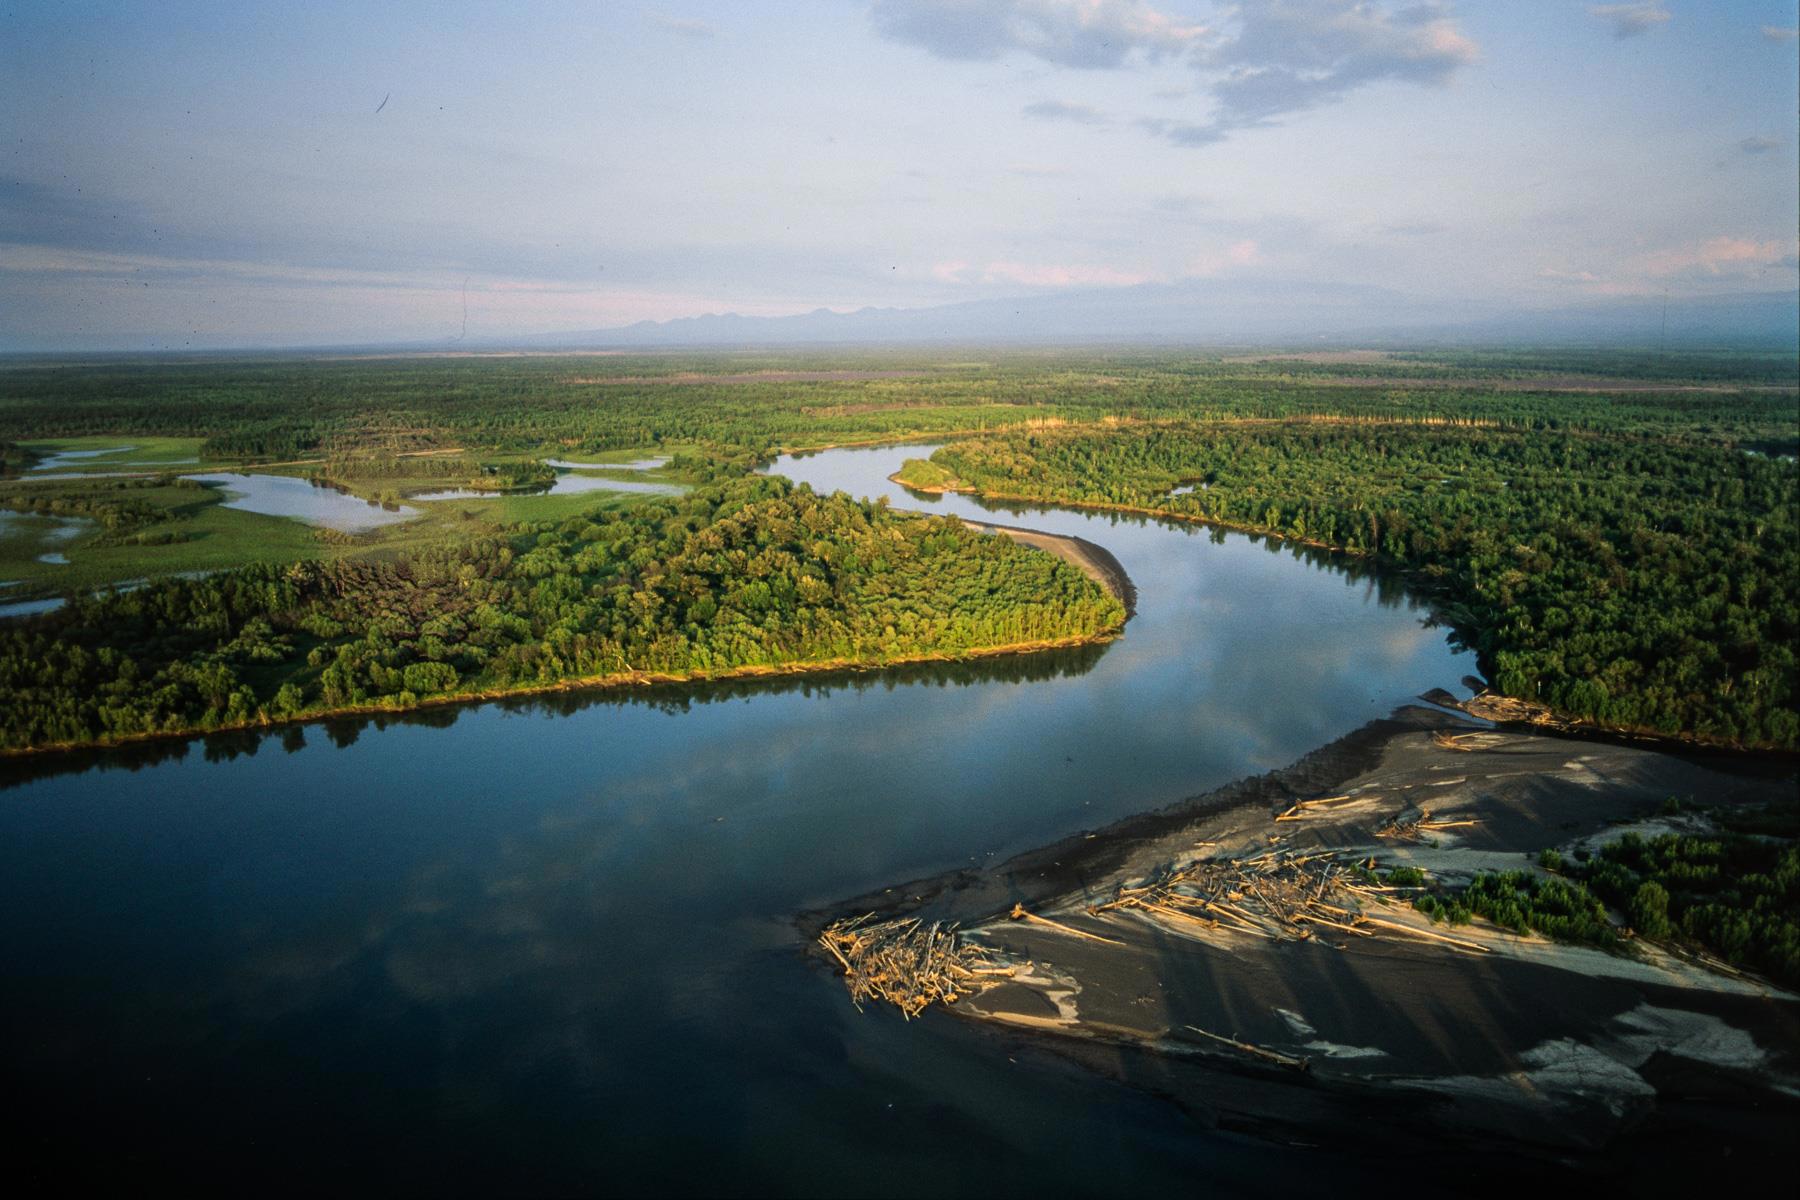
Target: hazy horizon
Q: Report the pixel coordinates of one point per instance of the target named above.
(249, 175)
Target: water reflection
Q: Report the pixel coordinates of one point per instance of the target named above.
(30, 608)
(76, 458)
(304, 501)
(568, 483)
(639, 464)
(75, 464)
(669, 698)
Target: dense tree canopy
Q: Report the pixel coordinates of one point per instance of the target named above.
(754, 574)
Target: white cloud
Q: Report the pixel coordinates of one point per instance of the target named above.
(1183, 133)
(1779, 33)
(1059, 110)
(1275, 58)
(1629, 20)
(1714, 264)
(1287, 56)
(1069, 33)
(1037, 275)
(1719, 256)
(225, 297)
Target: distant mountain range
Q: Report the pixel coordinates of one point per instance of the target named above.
(1217, 313)
(1196, 313)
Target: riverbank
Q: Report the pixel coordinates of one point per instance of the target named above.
(1424, 1032)
(1136, 510)
(614, 681)
(1542, 715)
(1091, 559)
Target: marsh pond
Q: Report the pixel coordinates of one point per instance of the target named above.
(551, 945)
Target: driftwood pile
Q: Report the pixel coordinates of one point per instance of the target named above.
(1299, 810)
(1492, 706)
(1277, 895)
(1414, 829)
(1502, 710)
(909, 964)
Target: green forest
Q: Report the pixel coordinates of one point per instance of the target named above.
(267, 409)
(749, 575)
(1634, 582)
(1732, 890)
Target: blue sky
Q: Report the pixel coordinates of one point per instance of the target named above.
(218, 174)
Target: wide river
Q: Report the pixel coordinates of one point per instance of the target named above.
(548, 946)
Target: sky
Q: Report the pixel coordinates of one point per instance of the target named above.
(237, 174)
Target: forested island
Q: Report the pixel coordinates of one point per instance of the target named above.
(748, 577)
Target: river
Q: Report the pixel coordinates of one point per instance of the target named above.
(548, 945)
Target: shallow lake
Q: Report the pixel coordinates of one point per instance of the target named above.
(285, 496)
(548, 946)
(569, 483)
(76, 458)
(30, 608)
(641, 464)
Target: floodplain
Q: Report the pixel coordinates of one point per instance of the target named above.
(356, 858)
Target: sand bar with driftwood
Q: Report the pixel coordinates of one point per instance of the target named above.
(1233, 953)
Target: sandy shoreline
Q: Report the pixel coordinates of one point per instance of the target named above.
(1579, 1056)
(1091, 559)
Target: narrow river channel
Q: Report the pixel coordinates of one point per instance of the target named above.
(548, 945)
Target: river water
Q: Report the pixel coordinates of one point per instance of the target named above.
(548, 946)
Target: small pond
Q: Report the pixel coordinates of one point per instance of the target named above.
(568, 483)
(77, 458)
(304, 501)
(26, 608)
(641, 464)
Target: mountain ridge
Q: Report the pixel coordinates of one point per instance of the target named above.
(1234, 314)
